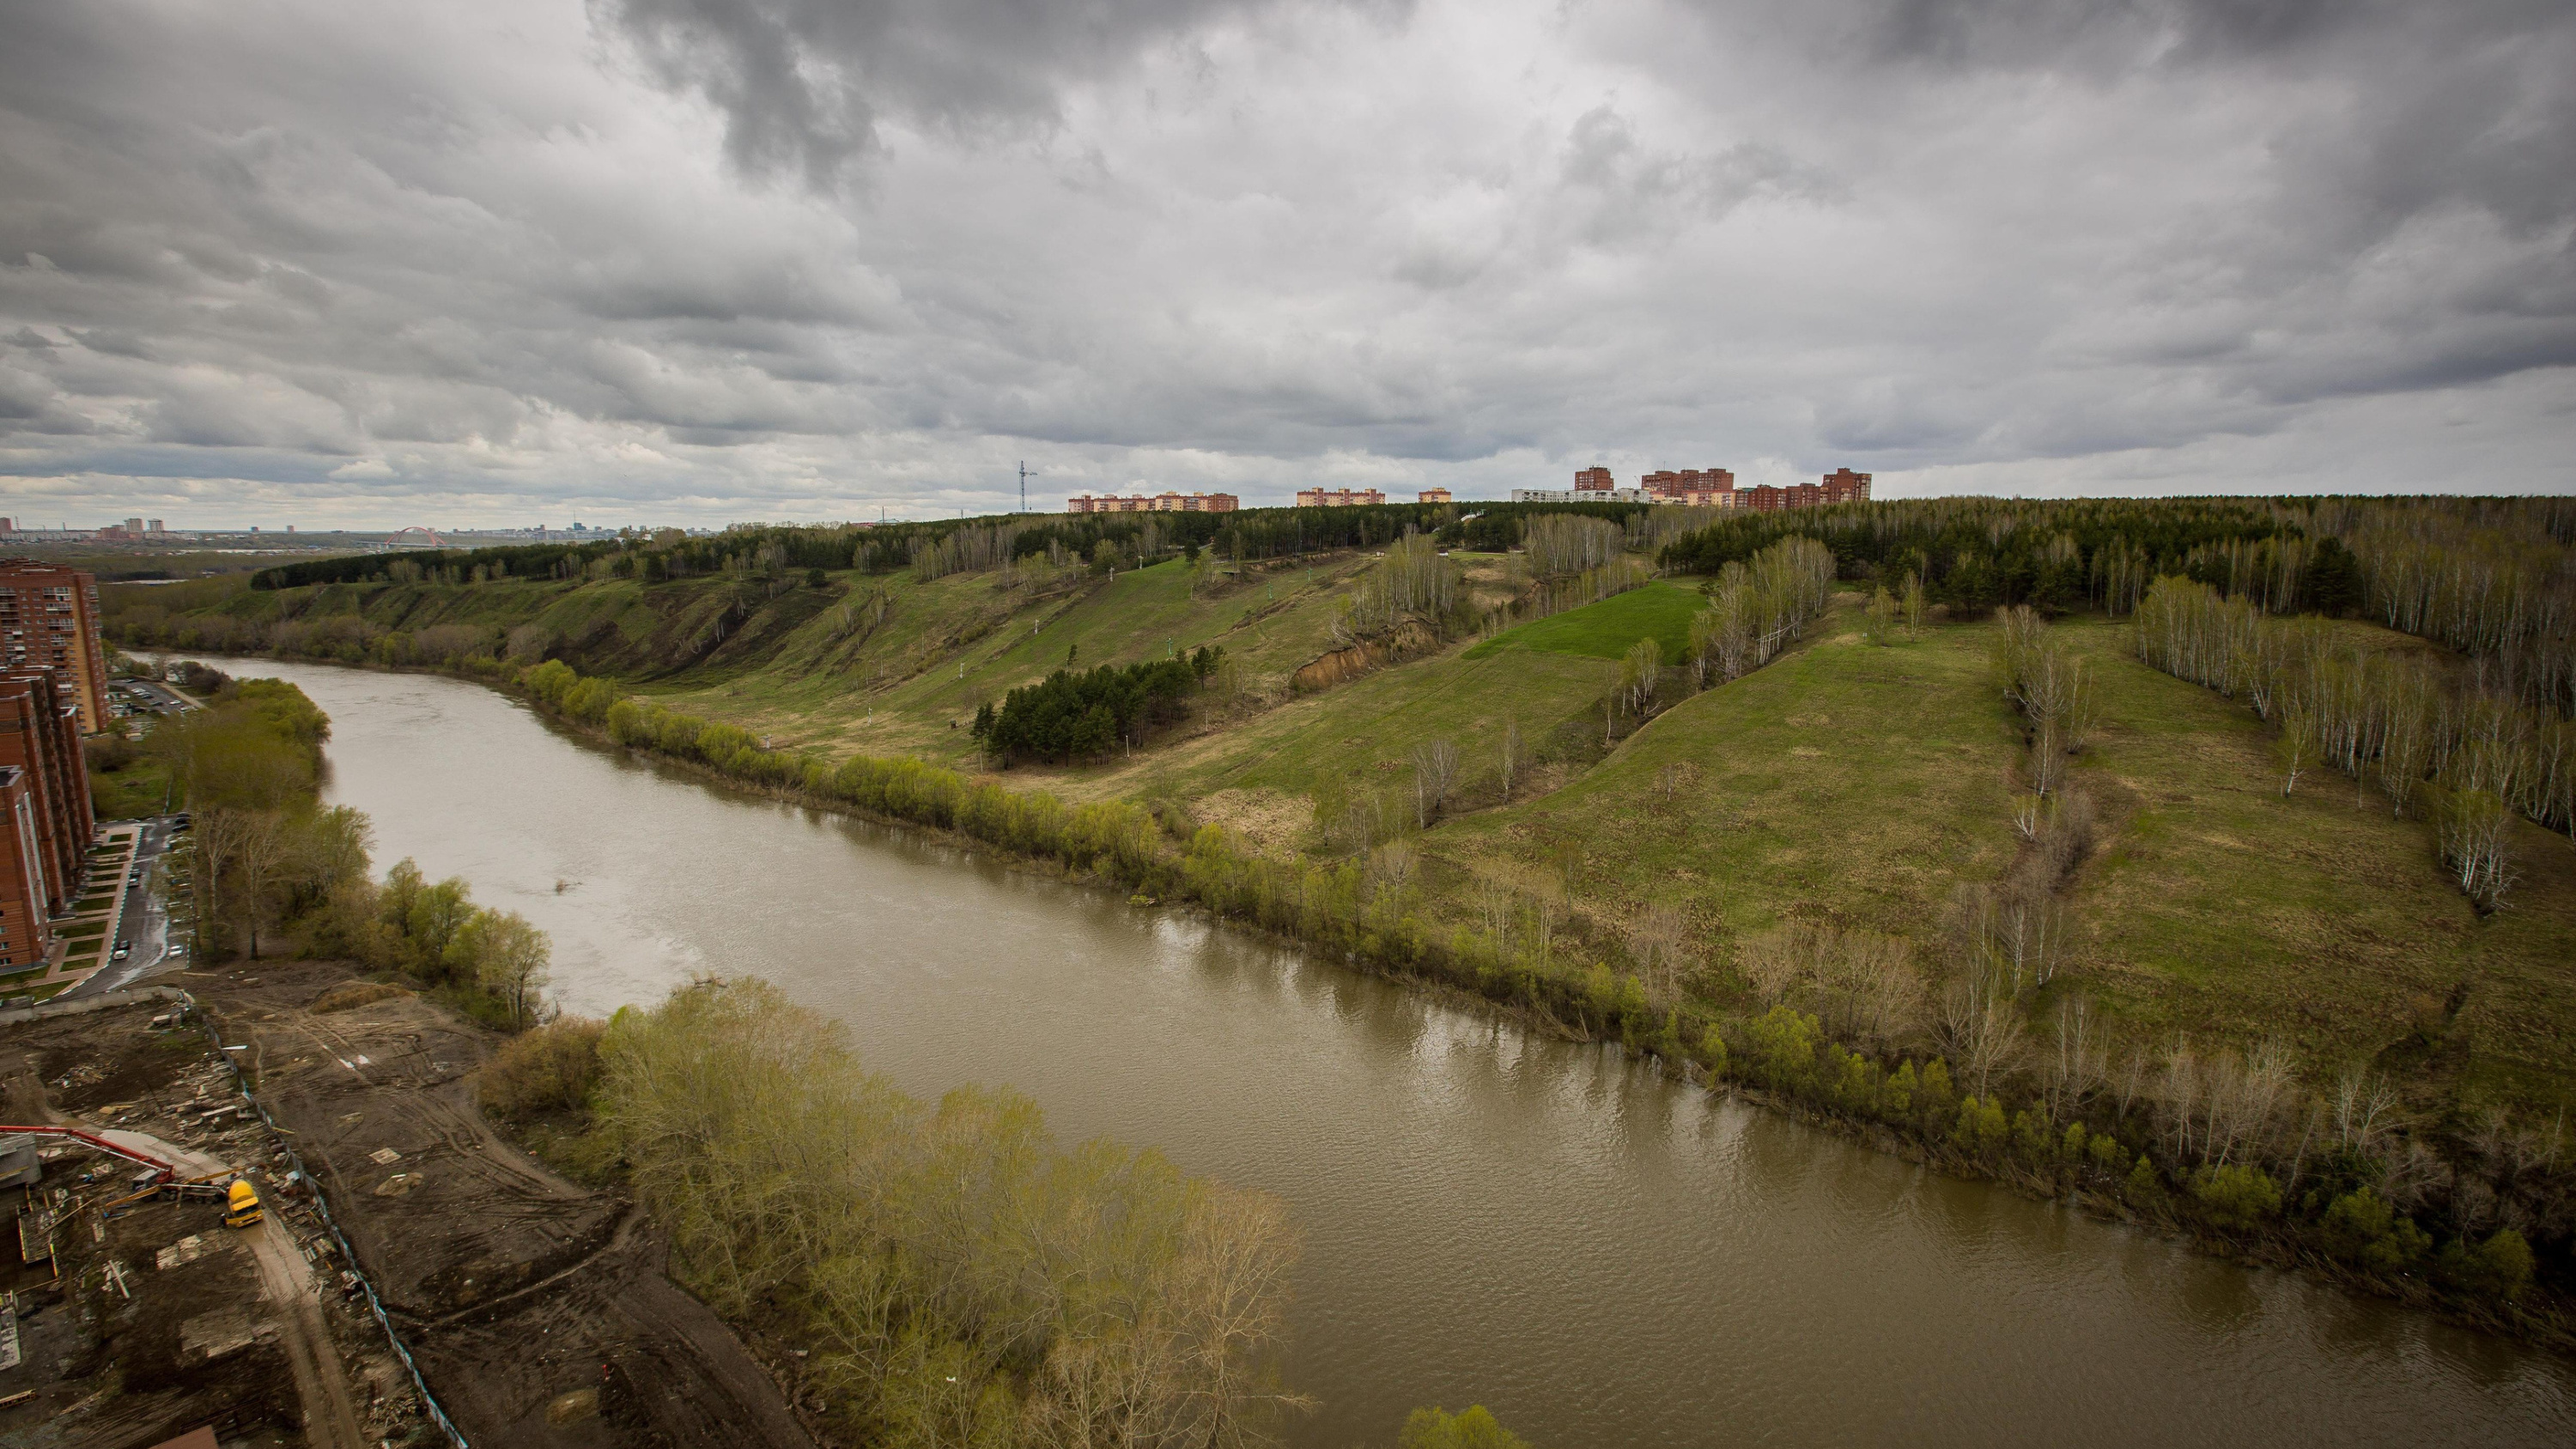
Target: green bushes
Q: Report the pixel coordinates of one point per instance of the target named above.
(2237, 1196)
(494, 964)
(1434, 1428)
(550, 1069)
(1781, 1050)
(2495, 1271)
(2362, 1229)
(1070, 716)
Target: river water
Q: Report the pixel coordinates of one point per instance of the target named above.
(1600, 1256)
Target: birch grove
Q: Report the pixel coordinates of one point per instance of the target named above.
(962, 1278)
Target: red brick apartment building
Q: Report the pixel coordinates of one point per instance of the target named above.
(1594, 480)
(49, 620)
(1158, 503)
(44, 797)
(1688, 481)
(1339, 497)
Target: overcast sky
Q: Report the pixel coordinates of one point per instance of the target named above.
(364, 264)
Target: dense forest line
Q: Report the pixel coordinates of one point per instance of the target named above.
(936, 548)
(2493, 579)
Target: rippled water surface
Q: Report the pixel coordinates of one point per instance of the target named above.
(1602, 1257)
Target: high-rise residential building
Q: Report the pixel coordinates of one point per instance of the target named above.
(49, 620)
(1339, 497)
(153, 526)
(1594, 480)
(45, 820)
(1845, 486)
(1672, 483)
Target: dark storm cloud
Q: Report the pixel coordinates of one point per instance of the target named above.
(772, 257)
(803, 83)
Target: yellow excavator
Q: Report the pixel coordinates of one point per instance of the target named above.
(241, 1204)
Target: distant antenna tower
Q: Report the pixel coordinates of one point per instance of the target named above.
(1024, 486)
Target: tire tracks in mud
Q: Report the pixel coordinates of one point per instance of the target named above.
(285, 1279)
(513, 1287)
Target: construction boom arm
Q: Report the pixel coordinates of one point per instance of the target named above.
(93, 1140)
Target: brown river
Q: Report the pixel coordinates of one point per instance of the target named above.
(1601, 1256)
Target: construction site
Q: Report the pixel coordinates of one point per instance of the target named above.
(262, 1203)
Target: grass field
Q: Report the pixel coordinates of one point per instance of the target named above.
(137, 790)
(1660, 611)
(1845, 781)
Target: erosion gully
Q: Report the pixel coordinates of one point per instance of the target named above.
(1600, 1255)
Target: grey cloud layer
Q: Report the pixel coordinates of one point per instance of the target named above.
(719, 257)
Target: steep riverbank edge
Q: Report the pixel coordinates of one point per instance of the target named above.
(1130, 851)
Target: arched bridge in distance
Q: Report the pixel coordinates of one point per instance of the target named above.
(418, 534)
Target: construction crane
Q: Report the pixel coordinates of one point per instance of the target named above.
(156, 1175)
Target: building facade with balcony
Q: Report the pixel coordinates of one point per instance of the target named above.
(49, 619)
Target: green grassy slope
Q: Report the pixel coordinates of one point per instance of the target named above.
(1660, 611)
(948, 646)
(1848, 781)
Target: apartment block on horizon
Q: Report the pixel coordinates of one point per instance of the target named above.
(1166, 502)
(1339, 497)
(1703, 488)
(1434, 495)
(49, 619)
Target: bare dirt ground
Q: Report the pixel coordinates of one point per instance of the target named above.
(538, 1308)
(151, 1318)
